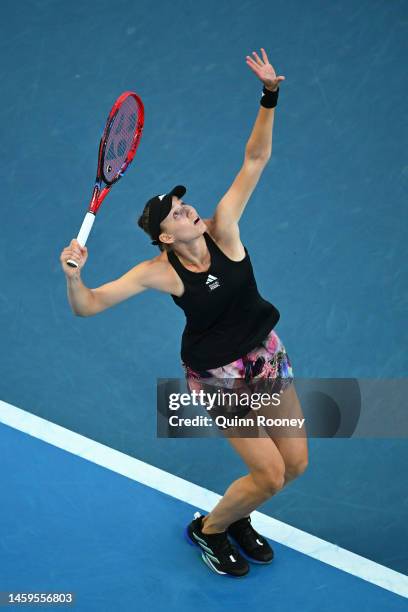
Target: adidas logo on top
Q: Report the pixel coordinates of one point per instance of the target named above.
(212, 282)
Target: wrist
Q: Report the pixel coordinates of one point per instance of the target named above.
(74, 279)
(269, 97)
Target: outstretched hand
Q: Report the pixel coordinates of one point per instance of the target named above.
(264, 70)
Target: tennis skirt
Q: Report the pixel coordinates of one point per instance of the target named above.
(266, 368)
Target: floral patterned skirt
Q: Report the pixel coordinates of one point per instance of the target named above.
(266, 368)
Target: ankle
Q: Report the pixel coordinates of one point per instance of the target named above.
(210, 528)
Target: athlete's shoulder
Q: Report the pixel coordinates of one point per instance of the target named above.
(229, 242)
(159, 263)
(161, 275)
(217, 233)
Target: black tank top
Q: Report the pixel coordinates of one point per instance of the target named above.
(225, 315)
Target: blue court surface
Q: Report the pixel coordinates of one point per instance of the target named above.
(71, 525)
(91, 499)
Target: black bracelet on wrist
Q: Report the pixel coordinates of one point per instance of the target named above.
(269, 98)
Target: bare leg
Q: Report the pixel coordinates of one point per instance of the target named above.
(291, 442)
(247, 493)
(272, 461)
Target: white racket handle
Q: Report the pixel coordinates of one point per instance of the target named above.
(83, 234)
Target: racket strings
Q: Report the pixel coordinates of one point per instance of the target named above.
(121, 137)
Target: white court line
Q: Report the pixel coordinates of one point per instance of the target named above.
(201, 498)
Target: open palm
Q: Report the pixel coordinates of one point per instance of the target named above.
(264, 70)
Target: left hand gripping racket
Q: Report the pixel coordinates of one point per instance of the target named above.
(117, 149)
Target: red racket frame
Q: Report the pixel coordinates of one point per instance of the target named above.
(98, 196)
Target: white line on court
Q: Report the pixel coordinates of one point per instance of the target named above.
(199, 497)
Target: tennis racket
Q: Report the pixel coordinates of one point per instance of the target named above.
(117, 149)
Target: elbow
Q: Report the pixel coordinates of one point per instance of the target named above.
(78, 313)
(261, 157)
(88, 308)
(88, 313)
(267, 156)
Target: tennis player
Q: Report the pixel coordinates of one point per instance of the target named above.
(229, 330)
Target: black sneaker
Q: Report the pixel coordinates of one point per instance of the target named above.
(217, 551)
(253, 546)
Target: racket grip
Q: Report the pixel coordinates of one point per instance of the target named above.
(83, 234)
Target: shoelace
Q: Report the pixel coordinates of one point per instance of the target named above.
(223, 544)
(248, 532)
(228, 549)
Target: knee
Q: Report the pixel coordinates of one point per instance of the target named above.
(270, 480)
(296, 468)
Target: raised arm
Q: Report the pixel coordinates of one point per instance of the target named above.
(258, 150)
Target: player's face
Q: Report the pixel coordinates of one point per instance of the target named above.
(182, 222)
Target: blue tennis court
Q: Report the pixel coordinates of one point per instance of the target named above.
(119, 545)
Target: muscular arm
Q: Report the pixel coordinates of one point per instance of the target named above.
(230, 208)
(258, 150)
(152, 274)
(259, 145)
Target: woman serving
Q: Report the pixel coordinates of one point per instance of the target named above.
(229, 330)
